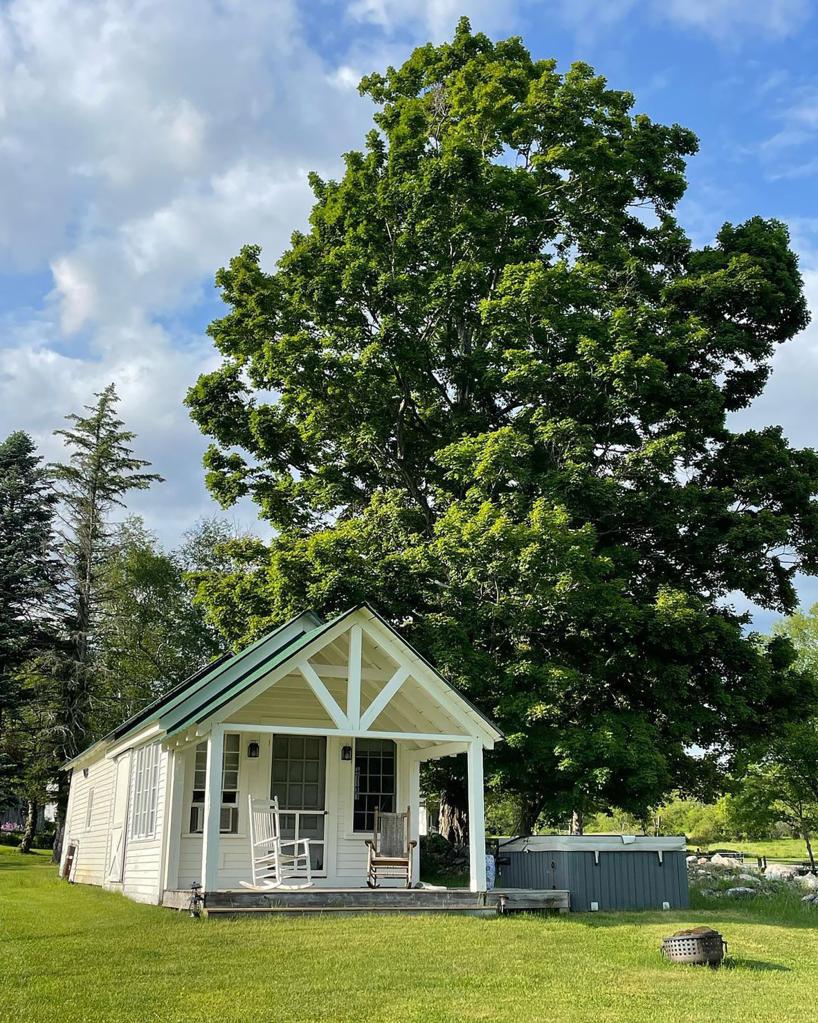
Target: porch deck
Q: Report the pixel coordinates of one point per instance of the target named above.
(381, 900)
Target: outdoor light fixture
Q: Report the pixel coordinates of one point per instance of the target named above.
(252, 750)
(346, 753)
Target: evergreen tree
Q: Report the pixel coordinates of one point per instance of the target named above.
(27, 579)
(489, 389)
(27, 566)
(99, 471)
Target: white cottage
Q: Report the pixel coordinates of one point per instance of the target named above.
(334, 718)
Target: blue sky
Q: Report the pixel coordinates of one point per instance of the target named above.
(142, 142)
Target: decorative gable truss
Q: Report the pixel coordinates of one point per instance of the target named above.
(353, 676)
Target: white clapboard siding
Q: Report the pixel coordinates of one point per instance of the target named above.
(93, 839)
(344, 851)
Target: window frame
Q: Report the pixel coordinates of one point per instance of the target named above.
(89, 808)
(395, 793)
(145, 770)
(197, 806)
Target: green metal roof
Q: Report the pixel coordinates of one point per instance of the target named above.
(235, 678)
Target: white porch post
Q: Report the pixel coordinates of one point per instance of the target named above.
(172, 826)
(212, 808)
(477, 818)
(414, 816)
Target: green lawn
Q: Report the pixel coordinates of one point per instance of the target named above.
(775, 849)
(74, 954)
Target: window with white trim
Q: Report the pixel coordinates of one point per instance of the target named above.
(374, 781)
(145, 791)
(229, 809)
(89, 809)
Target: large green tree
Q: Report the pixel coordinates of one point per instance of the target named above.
(488, 389)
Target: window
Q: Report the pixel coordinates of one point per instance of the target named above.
(374, 781)
(89, 809)
(229, 811)
(145, 791)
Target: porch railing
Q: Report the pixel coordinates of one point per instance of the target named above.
(309, 824)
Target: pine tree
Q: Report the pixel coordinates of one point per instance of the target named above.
(100, 470)
(27, 578)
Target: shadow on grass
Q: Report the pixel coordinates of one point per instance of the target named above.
(13, 859)
(757, 965)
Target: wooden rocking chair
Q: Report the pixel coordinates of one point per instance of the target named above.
(275, 860)
(390, 849)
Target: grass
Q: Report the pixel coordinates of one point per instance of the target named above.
(792, 849)
(81, 955)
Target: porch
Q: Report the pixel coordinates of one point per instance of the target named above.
(334, 723)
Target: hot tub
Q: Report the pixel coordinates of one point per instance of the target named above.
(601, 872)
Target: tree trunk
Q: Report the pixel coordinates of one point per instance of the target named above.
(31, 826)
(454, 824)
(577, 823)
(63, 783)
(527, 818)
(809, 850)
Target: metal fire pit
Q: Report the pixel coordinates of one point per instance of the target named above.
(701, 945)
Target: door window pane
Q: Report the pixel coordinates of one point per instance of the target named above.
(299, 769)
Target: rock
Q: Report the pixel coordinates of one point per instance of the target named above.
(808, 881)
(702, 860)
(692, 859)
(782, 871)
(748, 877)
(809, 899)
(740, 892)
(725, 861)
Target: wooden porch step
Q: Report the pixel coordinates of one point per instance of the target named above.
(380, 900)
(526, 900)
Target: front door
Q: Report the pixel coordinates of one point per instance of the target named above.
(299, 782)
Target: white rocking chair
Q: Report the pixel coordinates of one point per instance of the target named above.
(275, 860)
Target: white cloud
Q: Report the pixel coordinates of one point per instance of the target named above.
(729, 18)
(141, 144)
(789, 152)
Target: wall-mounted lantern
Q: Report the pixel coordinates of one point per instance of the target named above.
(252, 750)
(346, 753)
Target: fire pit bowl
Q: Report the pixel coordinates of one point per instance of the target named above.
(700, 945)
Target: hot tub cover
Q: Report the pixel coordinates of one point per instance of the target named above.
(595, 843)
